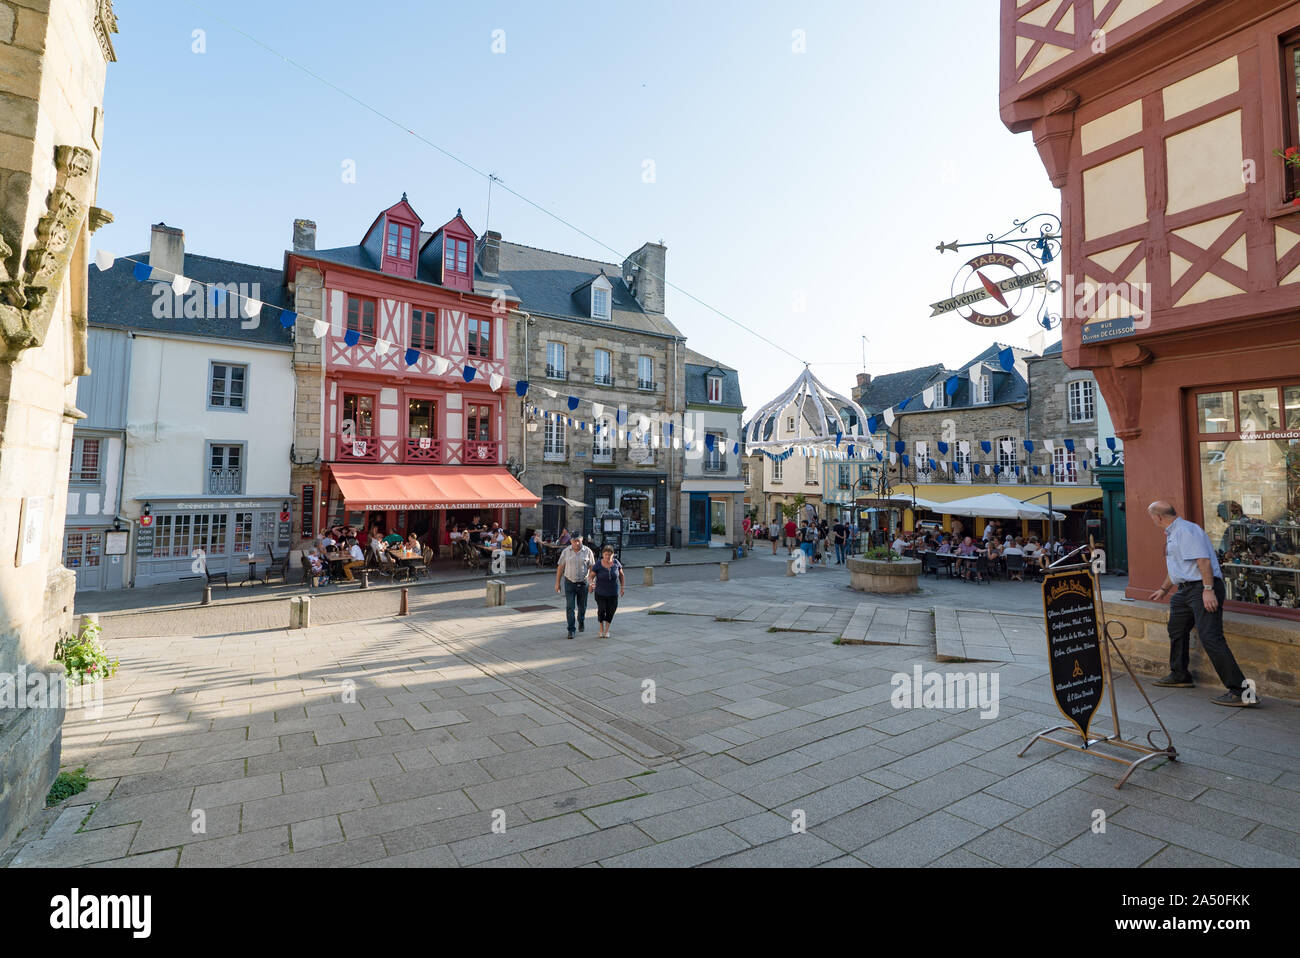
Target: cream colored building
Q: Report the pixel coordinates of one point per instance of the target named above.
(53, 63)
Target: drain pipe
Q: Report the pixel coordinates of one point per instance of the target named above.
(523, 402)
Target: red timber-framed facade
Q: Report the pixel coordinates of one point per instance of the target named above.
(394, 405)
(1160, 121)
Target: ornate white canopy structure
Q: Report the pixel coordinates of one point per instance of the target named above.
(819, 414)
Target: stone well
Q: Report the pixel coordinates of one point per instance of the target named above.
(884, 577)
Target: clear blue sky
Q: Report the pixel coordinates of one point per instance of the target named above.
(825, 177)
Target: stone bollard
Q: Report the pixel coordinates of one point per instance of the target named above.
(405, 608)
(295, 612)
(365, 578)
(725, 571)
(496, 592)
(648, 575)
(789, 567)
(304, 611)
(207, 596)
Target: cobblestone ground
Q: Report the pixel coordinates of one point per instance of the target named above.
(682, 740)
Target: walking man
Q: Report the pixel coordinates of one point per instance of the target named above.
(574, 565)
(841, 541)
(1196, 583)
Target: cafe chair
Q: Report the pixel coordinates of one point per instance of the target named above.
(982, 569)
(1015, 568)
(223, 577)
(278, 567)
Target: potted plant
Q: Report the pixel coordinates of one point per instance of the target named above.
(883, 572)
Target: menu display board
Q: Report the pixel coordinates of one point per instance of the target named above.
(1074, 638)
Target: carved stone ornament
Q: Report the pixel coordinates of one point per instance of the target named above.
(26, 302)
(105, 23)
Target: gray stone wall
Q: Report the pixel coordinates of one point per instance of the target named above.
(581, 341)
(1049, 380)
(308, 371)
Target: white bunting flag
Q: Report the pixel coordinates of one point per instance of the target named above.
(1091, 444)
(382, 346)
(976, 374)
(964, 446)
(252, 307)
(495, 381)
(104, 259)
(889, 416)
(597, 410)
(1006, 447)
(319, 328)
(944, 464)
(440, 365)
(921, 448)
(927, 397)
(180, 285)
(1049, 445)
(893, 457)
(550, 393)
(690, 434)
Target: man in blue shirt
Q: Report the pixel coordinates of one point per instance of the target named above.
(1196, 583)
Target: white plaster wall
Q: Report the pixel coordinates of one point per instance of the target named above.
(168, 422)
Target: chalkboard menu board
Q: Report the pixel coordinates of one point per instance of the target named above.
(144, 541)
(308, 508)
(1074, 625)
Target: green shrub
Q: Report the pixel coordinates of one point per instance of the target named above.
(882, 553)
(83, 656)
(67, 785)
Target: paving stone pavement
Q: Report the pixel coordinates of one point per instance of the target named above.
(468, 736)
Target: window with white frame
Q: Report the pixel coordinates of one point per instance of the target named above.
(604, 371)
(789, 425)
(85, 461)
(553, 445)
(227, 386)
(645, 372)
(961, 464)
(941, 398)
(778, 470)
(714, 459)
(225, 469)
(1082, 400)
(842, 476)
(982, 391)
(599, 302)
(810, 470)
(556, 363)
(602, 441)
(1005, 447)
(1065, 465)
(715, 389)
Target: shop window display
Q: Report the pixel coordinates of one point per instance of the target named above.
(1250, 492)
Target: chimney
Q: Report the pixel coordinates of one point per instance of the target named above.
(489, 253)
(864, 380)
(304, 235)
(647, 267)
(167, 252)
(860, 390)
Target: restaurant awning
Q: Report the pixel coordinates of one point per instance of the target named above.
(996, 505)
(383, 487)
(1063, 496)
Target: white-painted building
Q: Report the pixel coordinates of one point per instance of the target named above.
(713, 491)
(209, 409)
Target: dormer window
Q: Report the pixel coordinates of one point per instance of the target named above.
(455, 256)
(398, 245)
(715, 389)
(600, 297)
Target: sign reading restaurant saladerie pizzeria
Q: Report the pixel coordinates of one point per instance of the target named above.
(1074, 645)
(431, 506)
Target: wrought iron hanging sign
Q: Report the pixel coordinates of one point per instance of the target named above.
(1008, 281)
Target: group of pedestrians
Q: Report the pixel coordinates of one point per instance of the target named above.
(578, 573)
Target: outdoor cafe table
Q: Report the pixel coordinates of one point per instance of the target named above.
(252, 579)
(407, 558)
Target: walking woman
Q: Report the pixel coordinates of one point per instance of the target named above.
(608, 584)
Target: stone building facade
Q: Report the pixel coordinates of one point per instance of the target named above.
(53, 65)
(595, 331)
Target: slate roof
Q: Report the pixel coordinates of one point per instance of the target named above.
(1008, 387)
(1054, 349)
(115, 298)
(892, 388)
(427, 269)
(548, 284)
(697, 368)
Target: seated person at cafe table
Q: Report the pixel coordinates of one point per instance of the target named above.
(393, 539)
(967, 553)
(357, 560)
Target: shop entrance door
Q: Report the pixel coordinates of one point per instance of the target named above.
(699, 519)
(83, 553)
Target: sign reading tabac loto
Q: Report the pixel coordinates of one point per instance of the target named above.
(1003, 286)
(1074, 645)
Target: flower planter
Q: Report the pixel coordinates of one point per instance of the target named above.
(884, 577)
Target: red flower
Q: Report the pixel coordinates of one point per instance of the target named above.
(1296, 201)
(1291, 151)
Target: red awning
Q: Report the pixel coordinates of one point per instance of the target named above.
(379, 487)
